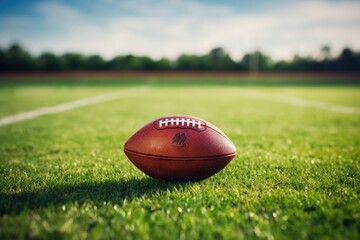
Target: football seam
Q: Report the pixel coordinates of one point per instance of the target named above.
(204, 158)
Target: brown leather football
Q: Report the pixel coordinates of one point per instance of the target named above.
(179, 148)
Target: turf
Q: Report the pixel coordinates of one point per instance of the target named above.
(296, 174)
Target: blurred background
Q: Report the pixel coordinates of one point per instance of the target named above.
(230, 35)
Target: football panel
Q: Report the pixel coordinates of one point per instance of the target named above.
(178, 170)
(179, 142)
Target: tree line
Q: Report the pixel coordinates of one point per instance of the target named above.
(17, 58)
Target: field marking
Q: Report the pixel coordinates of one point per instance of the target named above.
(301, 102)
(71, 105)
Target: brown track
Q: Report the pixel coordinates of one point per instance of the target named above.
(178, 74)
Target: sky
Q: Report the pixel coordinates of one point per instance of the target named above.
(168, 28)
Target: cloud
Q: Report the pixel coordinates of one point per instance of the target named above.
(54, 11)
(169, 28)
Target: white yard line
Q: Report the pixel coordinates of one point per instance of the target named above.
(300, 102)
(71, 105)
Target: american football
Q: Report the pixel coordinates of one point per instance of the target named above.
(180, 148)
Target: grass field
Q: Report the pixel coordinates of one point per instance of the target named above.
(296, 174)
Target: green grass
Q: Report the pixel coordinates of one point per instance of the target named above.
(296, 174)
